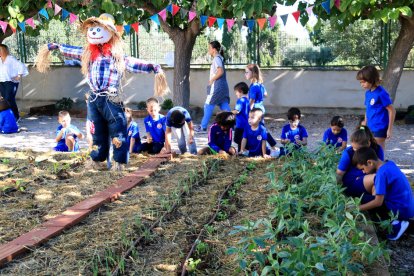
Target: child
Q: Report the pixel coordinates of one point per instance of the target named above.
(255, 136)
(155, 128)
(179, 122)
(67, 134)
(8, 123)
(336, 135)
(389, 187)
(293, 132)
(241, 110)
(380, 113)
(352, 178)
(220, 135)
(133, 139)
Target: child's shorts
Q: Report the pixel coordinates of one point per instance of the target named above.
(382, 133)
(356, 188)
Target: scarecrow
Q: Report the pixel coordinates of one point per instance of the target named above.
(103, 63)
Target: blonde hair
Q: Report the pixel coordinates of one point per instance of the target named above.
(256, 73)
(128, 115)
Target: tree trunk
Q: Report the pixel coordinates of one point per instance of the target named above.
(399, 54)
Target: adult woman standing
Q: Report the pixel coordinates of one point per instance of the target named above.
(11, 72)
(217, 89)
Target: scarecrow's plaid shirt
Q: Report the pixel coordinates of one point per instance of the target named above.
(102, 73)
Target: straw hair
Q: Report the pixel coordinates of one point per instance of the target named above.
(43, 59)
(160, 85)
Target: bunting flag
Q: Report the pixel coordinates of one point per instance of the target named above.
(31, 23)
(135, 26)
(296, 15)
(220, 22)
(120, 29)
(65, 14)
(250, 24)
(155, 19)
(211, 21)
(57, 9)
(309, 10)
(22, 26)
(44, 13)
(261, 22)
(272, 21)
(3, 26)
(146, 26)
(127, 28)
(338, 4)
(327, 6)
(191, 16)
(284, 18)
(163, 15)
(72, 18)
(49, 4)
(169, 8)
(175, 9)
(183, 13)
(230, 23)
(13, 29)
(203, 20)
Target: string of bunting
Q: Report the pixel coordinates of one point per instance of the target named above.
(173, 10)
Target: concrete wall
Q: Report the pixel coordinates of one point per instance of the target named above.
(314, 91)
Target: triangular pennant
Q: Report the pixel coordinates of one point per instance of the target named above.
(191, 15)
(284, 19)
(211, 21)
(22, 26)
(296, 15)
(183, 13)
(31, 23)
(169, 8)
(327, 6)
(65, 14)
(250, 24)
(272, 21)
(49, 4)
(13, 29)
(338, 4)
(155, 19)
(309, 10)
(120, 29)
(203, 20)
(230, 23)
(57, 9)
(127, 28)
(135, 26)
(72, 18)
(220, 22)
(163, 15)
(44, 13)
(3, 25)
(175, 9)
(146, 26)
(261, 22)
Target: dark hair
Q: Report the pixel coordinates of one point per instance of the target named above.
(369, 74)
(216, 45)
(5, 47)
(256, 109)
(337, 121)
(152, 100)
(242, 87)
(226, 119)
(292, 112)
(362, 155)
(363, 136)
(177, 118)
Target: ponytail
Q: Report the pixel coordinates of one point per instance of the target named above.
(364, 137)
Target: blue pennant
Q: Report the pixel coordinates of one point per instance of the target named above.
(22, 26)
(44, 13)
(203, 19)
(169, 8)
(250, 24)
(155, 19)
(284, 19)
(65, 14)
(220, 22)
(327, 6)
(127, 28)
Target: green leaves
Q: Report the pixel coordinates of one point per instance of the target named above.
(108, 6)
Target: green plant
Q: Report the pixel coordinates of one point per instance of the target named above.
(202, 248)
(141, 105)
(192, 265)
(64, 104)
(167, 104)
(5, 161)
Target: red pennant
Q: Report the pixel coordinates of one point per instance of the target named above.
(211, 21)
(338, 4)
(296, 15)
(261, 22)
(175, 9)
(135, 27)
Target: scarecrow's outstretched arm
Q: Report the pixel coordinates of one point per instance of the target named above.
(68, 51)
(135, 65)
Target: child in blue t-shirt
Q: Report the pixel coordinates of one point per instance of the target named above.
(389, 187)
(8, 122)
(155, 128)
(380, 113)
(293, 132)
(67, 134)
(133, 139)
(220, 135)
(255, 136)
(241, 110)
(336, 135)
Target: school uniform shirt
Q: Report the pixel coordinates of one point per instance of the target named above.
(335, 140)
(294, 134)
(352, 172)
(257, 93)
(219, 139)
(61, 144)
(133, 132)
(8, 122)
(376, 102)
(156, 127)
(254, 140)
(10, 68)
(394, 186)
(242, 106)
(187, 116)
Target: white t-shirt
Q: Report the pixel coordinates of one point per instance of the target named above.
(10, 68)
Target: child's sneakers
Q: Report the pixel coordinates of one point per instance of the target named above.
(199, 129)
(398, 228)
(275, 152)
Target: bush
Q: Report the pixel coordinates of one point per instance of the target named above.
(141, 105)
(167, 104)
(64, 104)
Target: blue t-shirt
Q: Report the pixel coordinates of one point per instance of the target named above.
(183, 110)
(61, 144)
(257, 93)
(293, 134)
(8, 122)
(352, 172)
(336, 140)
(219, 139)
(376, 102)
(254, 140)
(156, 128)
(242, 105)
(393, 184)
(133, 132)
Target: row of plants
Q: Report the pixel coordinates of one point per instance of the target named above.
(313, 227)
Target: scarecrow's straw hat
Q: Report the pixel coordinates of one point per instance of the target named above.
(105, 19)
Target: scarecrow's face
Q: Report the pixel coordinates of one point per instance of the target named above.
(98, 35)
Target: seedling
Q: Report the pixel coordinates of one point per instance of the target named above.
(192, 265)
(5, 161)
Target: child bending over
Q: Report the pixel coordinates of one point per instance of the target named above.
(8, 122)
(67, 134)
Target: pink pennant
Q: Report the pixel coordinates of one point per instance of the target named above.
(338, 4)
(175, 9)
(3, 25)
(191, 16)
(49, 4)
(57, 9)
(272, 21)
(163, 14)
(296, 15)
(230, 23)
(72, 18)
(30, 22)
(309, 10)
